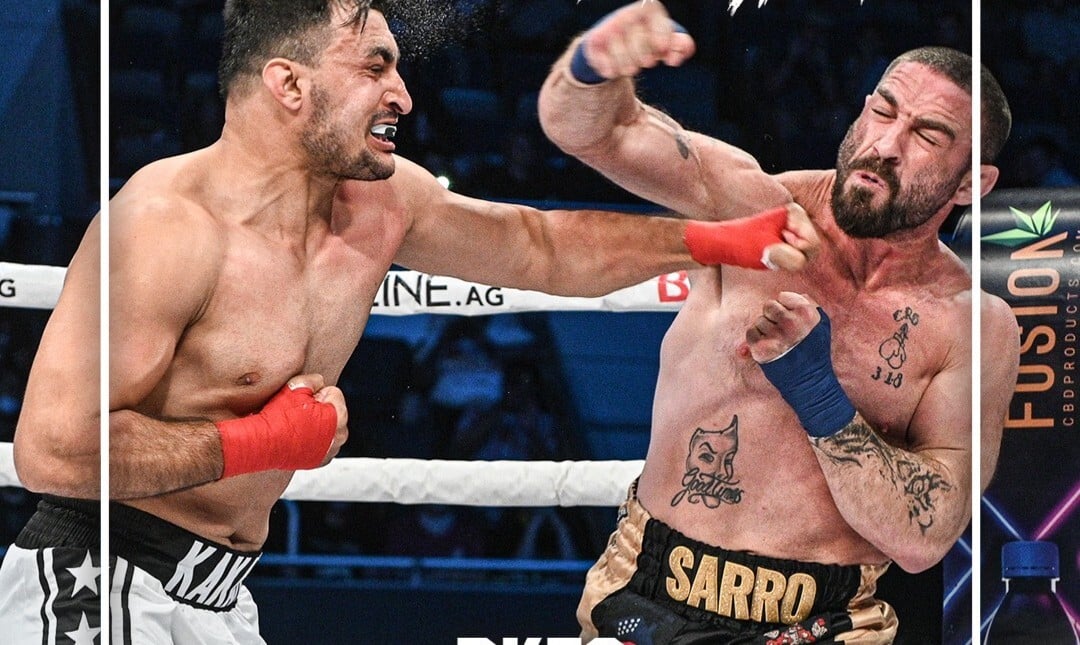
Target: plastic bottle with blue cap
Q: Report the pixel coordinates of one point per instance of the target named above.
(1030, 613)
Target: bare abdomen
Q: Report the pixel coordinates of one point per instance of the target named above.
(233, 512)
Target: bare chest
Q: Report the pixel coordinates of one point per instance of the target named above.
(885, 353)
(727, 451)
(886, 348)
(272, 316)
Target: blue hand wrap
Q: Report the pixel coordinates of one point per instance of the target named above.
(580, 68)
(805, 378)
(583, 72)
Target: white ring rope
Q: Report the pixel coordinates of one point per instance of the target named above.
(410, 292)
(417, 481)
(467, 483)
(31, 286)
(463, 483)
(404, 293)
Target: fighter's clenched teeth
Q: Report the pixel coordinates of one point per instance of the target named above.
(384, 131)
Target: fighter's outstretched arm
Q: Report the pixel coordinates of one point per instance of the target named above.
(911, 503)
(57, 445)
(636, 145)
(578, 252)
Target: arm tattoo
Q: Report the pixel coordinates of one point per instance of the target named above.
(858, 445)
(682, 142)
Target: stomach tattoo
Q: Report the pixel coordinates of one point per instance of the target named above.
(710, 468)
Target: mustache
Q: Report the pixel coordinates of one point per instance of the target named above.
(385, 114)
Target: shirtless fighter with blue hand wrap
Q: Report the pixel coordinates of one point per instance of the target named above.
(767, 508)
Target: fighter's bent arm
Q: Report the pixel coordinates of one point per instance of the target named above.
(580, 252)
(998, 378)
(639, 147)
(912, 504)
(57, 441)
(154, 295)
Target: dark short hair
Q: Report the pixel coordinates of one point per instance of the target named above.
(996, 117)
(258, 30)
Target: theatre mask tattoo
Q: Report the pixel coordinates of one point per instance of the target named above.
(710, 468)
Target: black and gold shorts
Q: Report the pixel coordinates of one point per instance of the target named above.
(655, 585)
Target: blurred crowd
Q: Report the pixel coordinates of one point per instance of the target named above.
(474, 388)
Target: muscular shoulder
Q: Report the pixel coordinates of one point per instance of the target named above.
(154, 207)
(413, 184)
(811, 189)
(405, 194)
(160, 233)
(1000, 330)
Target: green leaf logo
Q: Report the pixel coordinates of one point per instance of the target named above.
(1028, 227)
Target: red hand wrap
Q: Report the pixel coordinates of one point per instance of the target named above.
(739, 242)
(292, 432)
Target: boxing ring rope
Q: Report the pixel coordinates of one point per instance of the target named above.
(414, 481)
(467, 483)
(30, 286)
(418, 481)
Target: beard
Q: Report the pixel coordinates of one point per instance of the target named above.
(854, 210)
(326, 146)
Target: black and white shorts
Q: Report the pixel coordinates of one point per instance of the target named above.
(50, 580)
(168, 585)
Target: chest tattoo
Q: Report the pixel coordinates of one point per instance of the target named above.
(893, 350)
(710, 468)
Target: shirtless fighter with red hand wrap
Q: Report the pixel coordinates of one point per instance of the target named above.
(295, 429)
(274, 248)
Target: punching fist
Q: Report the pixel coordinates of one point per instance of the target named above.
(779, 238)
(784, 322)
(328, 395)
(641, 35)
